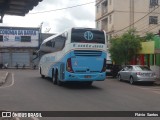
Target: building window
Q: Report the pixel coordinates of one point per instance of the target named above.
(110, 19)
(1, 38)
(153, 19)
(25, 38)
(153, 3)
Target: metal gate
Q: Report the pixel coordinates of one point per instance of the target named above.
(6, 58)
(21, 59)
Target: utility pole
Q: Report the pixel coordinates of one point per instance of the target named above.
(131, 14)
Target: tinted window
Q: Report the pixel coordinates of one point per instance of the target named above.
(87, 36)
(50, 43)
(25, 38)
(109, 66)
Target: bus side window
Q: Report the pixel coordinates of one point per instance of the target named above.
(51, 43)
(59, 42)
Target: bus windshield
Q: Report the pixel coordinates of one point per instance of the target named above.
(87, 36)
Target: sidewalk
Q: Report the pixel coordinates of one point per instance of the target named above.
(3, 76)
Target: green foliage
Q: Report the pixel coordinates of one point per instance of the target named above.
(149, 36)
(125, 47)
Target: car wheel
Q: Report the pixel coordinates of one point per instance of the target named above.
(54, 78)
(42, 76)
(131, 81)
(119, 78)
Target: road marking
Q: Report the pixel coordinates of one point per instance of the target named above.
(11, 83)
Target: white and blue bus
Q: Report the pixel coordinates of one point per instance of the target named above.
(78, 54)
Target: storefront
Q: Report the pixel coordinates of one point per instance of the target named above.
(17, 45)
(149, 55)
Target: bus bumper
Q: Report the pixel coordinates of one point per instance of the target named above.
(85, 77)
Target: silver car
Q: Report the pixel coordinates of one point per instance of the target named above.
(137, 73)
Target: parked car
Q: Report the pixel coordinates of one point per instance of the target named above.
(112, 70)
(137, 73)
(109, 69)
(115, 70)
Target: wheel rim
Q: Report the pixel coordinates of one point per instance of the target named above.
(131, 81)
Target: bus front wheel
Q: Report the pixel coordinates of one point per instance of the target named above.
(41, 74)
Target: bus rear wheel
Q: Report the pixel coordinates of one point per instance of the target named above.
(54, 78)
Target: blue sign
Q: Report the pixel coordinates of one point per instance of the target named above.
(88, 35)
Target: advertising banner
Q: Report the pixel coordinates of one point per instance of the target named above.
(19, 37)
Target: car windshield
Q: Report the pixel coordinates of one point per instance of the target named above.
(142, 68)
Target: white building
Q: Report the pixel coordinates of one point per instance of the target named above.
(17, 45)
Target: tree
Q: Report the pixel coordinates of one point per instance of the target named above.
(125, 47)
(149, 36)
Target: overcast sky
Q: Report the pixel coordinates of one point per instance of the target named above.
(82, 16)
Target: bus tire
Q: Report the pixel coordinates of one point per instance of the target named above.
(59, 83)
(54, 79)
(42, 76)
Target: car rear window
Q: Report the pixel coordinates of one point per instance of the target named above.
(142, 68)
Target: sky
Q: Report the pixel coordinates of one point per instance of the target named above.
(56, 20)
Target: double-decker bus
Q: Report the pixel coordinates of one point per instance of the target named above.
(77, 54)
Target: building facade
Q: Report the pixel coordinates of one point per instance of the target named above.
(117, 16)
(17, 45)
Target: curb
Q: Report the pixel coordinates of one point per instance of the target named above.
(3, 78)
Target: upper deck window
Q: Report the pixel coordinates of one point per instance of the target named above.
(87, 36)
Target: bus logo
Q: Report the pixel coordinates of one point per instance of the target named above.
(88, 35)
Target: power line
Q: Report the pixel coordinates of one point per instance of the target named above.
(62, 8)
(136, 21)
(150, 27)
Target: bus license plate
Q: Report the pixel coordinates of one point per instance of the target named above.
(87, 76)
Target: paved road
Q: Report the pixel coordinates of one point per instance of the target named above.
(26, 91)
